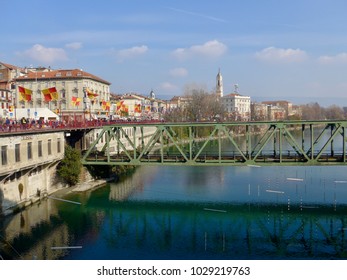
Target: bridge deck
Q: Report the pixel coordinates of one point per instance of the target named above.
(277, 143)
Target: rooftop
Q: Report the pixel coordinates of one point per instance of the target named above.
(59, 74)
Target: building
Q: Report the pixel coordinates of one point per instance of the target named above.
(276, 113)
(8, 73)
(69, 91)
(177, 102)
(28, 166)
(259, 111)
(286, 105)
(237, 106)
(137, 106)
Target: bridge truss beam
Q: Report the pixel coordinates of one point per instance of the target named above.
(241, 143)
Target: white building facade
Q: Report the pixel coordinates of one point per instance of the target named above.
(238, 106)
(77, 91)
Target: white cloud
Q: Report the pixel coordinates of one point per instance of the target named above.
(74, 46)
(339, 58)
(45, 55)
(179, 72)
(131, 52)
(209, 49)
(273, 54)
(166, 86)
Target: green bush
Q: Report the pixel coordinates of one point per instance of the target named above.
(70, 167)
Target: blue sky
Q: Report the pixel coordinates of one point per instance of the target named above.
(294, 50)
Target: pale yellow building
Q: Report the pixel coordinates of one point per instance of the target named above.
(77, 91)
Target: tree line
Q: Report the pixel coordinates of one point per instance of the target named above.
(199, 105)
(313, 111)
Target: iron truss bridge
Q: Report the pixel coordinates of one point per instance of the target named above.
(213, 144)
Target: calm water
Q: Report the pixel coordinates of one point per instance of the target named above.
(191, 213)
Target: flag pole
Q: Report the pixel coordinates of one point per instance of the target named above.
(13, 93)
(35, 114)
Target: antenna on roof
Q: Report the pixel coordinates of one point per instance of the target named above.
(236, 86)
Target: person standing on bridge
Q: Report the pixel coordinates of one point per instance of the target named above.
(23, 123)
(8, 124)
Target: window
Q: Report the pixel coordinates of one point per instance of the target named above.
(49, 146)
(17, 152)
(58, 146)
(30, 152)
(4, 155)
(39, 150)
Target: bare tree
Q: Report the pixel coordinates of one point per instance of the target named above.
(203, 106)
(312, 111)
(334, 112)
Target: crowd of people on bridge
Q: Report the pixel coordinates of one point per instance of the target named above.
(9, 125)
(12, 125)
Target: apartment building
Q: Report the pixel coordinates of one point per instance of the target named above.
(237, 105)
(75, 91)
(8, 73)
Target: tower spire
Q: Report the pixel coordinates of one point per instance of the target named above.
(219, 84)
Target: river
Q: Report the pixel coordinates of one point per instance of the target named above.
(166, 212)
(191, 213)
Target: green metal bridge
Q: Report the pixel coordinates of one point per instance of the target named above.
(219, 143)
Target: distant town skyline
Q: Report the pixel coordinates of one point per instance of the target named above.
(273, 50)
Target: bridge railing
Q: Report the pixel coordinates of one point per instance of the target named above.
(18, 127)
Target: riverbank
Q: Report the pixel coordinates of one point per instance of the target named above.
(86, 186)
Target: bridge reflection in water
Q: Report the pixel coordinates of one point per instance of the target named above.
(278, 143)
(137, 229)
(221, 231)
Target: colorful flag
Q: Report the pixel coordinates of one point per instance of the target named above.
(50, 94)
(106, 106)
(119, 105)
(90, 94)
(137, 108)
(75, 101)
(25, 94)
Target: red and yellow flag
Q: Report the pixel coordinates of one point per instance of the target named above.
(25, 94)
(106, 106)
(75, 101)
(119, 105)
(138, 108)
(90, 94)
(50, 94)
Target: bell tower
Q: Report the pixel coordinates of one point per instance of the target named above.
(219, 85)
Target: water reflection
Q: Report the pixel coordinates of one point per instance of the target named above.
(21, 232)
(191, 213)
(138, 230)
